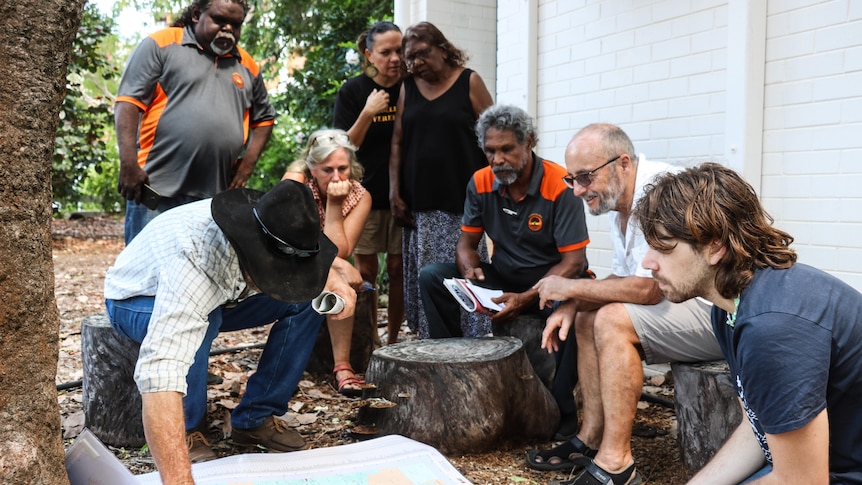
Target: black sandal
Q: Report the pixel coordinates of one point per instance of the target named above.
(572, 453)
(596, 475)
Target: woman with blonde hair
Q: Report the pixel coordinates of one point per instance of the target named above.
(328, 166)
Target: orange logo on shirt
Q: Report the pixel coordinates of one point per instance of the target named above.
(237, 79)
(534, 222)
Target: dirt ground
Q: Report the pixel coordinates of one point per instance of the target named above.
(85, 248)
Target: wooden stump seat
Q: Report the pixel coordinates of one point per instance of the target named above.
(707, 409)
(110, 397)
(528, 328)
(460, 395)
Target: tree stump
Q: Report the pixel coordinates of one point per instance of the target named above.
(460, 395)
(528, 328)
(111, 401)
(365, 337)
(707, 409)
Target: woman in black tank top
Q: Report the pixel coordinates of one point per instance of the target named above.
(434, 154)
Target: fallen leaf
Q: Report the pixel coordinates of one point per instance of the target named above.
(72, 424)
(306, 418)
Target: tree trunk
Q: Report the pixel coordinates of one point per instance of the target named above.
(460, 395)
(35, 43)
(707, 410)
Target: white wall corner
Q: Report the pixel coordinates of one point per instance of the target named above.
(746, 59)
(517, 53)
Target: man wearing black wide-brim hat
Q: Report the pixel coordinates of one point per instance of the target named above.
(242, 259)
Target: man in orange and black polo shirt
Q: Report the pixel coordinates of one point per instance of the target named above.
(538, 228)
(190, 101)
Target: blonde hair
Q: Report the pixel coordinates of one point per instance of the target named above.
(321, 144)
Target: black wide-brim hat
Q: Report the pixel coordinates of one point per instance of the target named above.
(278, 240)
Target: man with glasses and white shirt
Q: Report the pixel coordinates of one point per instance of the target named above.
(618, 321)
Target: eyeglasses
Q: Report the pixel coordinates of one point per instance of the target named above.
(341, 139)
(586, 178)
(282, 246)
(423, 54)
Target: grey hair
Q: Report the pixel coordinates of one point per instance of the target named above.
(506, 117)
(321, 144)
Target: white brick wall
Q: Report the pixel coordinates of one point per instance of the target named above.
(812, 125)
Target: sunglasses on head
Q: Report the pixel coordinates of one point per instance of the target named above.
(339, 139)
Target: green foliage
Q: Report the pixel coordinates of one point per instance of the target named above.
(303, 44)
(80, 143)
(99, 185)
(318, 32)
(287, 141)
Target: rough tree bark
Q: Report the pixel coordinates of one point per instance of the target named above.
(110, 397)
(707, 410)
(460, 395)
(35, 43)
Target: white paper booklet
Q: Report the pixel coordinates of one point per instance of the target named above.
(472, 297)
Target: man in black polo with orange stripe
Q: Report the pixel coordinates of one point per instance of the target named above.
(537, 225)
(190, 101)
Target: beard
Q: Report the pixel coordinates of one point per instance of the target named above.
(505, 175)
(608, 199)
(227, 42)
(694, 283)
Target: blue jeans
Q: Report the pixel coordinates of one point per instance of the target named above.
(284, 357)
(139, 215)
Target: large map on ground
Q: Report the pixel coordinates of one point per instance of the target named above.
(389, 460)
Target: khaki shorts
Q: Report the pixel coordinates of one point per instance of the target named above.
(675, 332)
(380, 234)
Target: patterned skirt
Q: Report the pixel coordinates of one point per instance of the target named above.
(433, 240)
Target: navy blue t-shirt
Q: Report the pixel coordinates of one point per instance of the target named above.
(795, 349)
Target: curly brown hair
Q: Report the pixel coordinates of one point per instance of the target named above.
(710, 203)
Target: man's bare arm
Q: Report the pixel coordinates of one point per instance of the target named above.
(164, 427)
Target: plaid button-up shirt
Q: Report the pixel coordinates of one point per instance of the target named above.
(184, 260)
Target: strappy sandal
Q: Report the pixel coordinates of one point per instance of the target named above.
(596, 475)
(342, 384)
(573, 453)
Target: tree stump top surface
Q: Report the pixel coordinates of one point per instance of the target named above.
(451, 350)
(96, 320)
